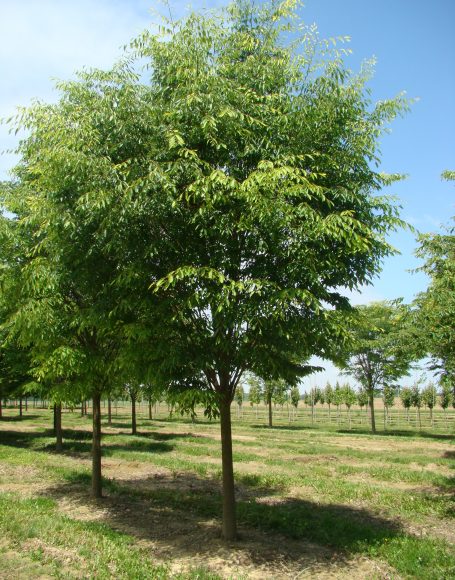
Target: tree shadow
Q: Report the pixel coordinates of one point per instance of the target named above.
(179, 515)
(18, 418)
(77, 442)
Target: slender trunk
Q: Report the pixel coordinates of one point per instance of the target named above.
(431, 416)
(96, 447)
(133, 415)
(229, 518)
(1, 411)
(329, 414)
(371, 398)
(20, 407)
(58, 427)
(150, 409)
(26, 403)
(109, 411)
(269, 402)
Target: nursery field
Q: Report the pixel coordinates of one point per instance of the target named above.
(315, 500)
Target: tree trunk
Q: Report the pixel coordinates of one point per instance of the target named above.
(96, 447)
(1, 411)
(229, 519)
(371, 398)
(20, 407)
(133, 415)
(109, 411)
(269, 402)
(26, 403)
(150, 409)
(58, 427)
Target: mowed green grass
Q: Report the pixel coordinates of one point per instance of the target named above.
(388, 498)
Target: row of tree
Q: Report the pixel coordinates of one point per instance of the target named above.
(181, 225)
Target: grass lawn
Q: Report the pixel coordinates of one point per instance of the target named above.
(313, 501)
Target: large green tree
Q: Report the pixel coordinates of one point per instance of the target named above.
(264, 160)
(211, 210)
(379, 353)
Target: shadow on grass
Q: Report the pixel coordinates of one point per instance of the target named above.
(80, 442)
(18, 418)
(182, 513)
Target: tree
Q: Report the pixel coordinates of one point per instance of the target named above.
(378, 354)
(406, 399)
(273, 391)
(349, 399)
(236, 195)
(255, 391)
(433, 328)
(416, 401)
(239, 396)
(429, 398)
(445, 398)
(388, 396)
(328, 396)
(295, 397)
(338, 399)
(362, 398)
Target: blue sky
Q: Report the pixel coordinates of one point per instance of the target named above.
(412, 40)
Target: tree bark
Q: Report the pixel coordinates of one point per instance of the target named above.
(229, 519)
(109, 411)
(96, 447)
(1, 408)
(20, 406)
(58, 427)
(371, 399)
(269, 402)
(133, 415)
(150, 409)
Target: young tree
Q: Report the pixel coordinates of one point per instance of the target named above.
(328, 396)
(429, 399)
(416, 401)
(239, 396)
(406, 399)
(255, 391)
(388, 397)
(338, 399)
(295, 398)
(349, 399)
(362, 398)
(378, 354)
(445, 397)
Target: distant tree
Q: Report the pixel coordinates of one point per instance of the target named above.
(445, 396)
(328, 396)
(406, 397)
(388, 397)
(255, 391)
(295, 398)
(239, 396)
(416, 401)
(429, 399)
(338, 399)
(349, 399)
(362, 398)
(378, 354)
